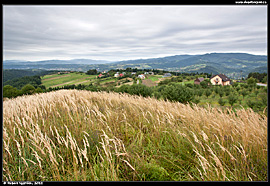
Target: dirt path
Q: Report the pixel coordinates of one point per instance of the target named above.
(149, 83)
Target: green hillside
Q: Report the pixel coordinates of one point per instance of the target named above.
(75, 78)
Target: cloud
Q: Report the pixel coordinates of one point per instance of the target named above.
(129, 32)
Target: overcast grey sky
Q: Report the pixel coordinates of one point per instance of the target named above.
(131, 32)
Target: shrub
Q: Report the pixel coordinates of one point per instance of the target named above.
(28, 89)
(251, 82)
(235, 84)
(232, 99)
(189, 85)
(221, 93)
(244, 93)
(10, 91)
(221, 101)
(38, 90)
(178, 93)
(208, 92)
(199, 92)
(140, 90)
(204, 84)
(157, 95)
(196, 100)
(123, 89)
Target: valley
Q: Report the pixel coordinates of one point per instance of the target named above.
(134, 93)
(234, 65)
(134, 125)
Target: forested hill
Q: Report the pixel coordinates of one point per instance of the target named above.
(10, 74)
(232, 64)
(211, 63)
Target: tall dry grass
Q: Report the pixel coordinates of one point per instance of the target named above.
(82, 135)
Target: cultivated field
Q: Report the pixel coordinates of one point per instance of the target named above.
(83, 136)
(55, 80)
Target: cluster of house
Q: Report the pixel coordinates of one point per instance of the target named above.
(219, 79)
(141, 76)
(119, 74)
(66, 72)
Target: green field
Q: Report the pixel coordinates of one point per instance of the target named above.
(56, 80)
(155, 77)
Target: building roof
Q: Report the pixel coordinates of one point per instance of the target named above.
(167, 75)
(222, 76)
(199, 79)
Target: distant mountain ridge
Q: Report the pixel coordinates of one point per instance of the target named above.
(233, 64)
(54, 61)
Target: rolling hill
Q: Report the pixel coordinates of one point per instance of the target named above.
(232, 64)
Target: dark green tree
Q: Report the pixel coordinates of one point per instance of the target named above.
(199, 92)
(221, 93)
(28, 89)
(178, 93)
(196, 100)
(251, 103)
(204, 84)
(264, 80)
(251, 82)
(208, 92)
(244, 93)
(235, 84)
(91, 72)
(232, 99)
(38, 90)
(140, 90)
(221, 101)
(157, 95)
(10, 91)
(123, 89)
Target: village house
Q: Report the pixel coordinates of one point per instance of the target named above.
(141, 76)
(167, 75)
(220, 79)
(66, 72)
(198, 80)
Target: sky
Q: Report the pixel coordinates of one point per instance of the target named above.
(131, 32)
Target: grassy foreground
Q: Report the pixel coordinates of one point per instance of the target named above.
(73, 135)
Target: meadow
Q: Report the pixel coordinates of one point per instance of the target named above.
(79, 135)
(56, 80)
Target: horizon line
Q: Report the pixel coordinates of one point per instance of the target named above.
(141, 58)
